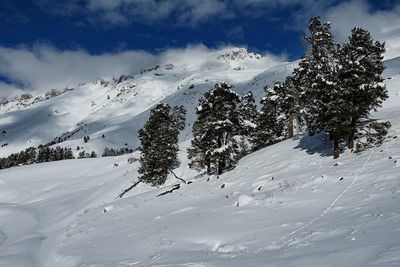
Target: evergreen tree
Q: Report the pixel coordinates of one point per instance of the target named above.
(68, 154)
(247, 118)
(159, 143)
(179, 117)
(289, 100)
(361, 61)
(31, 155)
(82, 155)
(199, 153)
(270, 122)
(44, 154)
(318, 72)
(247, 114)
(217, 123)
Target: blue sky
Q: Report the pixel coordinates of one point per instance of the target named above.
(43, 37)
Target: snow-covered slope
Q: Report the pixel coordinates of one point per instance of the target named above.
(286, 205)
(117, 108)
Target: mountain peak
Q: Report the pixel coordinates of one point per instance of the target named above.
(239, 53)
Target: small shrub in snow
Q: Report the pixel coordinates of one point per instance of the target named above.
(111, 152)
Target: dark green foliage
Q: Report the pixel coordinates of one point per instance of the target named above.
(370, 134)
(84, 155)
(111, 152)
(179, 117)
(47, 154)
(217, 123)
(317, 76)
(247, 118)
(325, 107)
(36, 155)
(289, 98)
(341, 85)
(270, 122)
(159, 143)
(247, 114)
(361, 61)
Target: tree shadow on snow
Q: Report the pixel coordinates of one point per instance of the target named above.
(315, 144)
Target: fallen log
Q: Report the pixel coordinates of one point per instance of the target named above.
(175, 187)
(128, 189)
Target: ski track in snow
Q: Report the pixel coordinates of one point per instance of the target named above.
(286, 238)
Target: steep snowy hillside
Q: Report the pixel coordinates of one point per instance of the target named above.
(117, 108)
(286, 205)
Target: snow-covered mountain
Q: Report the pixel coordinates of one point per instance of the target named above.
(117, 108)
(285, 205)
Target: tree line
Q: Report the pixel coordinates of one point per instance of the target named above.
(36, 155)
(44, 153)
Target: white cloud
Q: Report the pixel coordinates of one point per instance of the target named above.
(304, 9)
(44, 67)
(199, 11)
(384, 25)
(8, 91)
(109, 13)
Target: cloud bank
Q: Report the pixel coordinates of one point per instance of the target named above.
(384, 25)
(44, 67)
(181, 13)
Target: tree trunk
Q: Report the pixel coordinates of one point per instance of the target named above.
(350, 140)
(290, 126)
(219, 171)
(350, 137)
(336, 150)
(208, 167)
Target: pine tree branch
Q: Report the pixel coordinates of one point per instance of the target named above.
(178, 177)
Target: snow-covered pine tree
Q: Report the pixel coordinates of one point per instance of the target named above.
(179, 117)
(288, 97)
(199, 153)
(270, 122)
(31, 155)
(44, 154)
(325, 108)
(247, 118)
(159, 144)
(68, 153)
(247, 114)
(217, 123)
(361, 68)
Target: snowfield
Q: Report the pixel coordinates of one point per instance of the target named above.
(289, 204)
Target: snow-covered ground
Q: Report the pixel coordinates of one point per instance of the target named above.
(289, 204)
